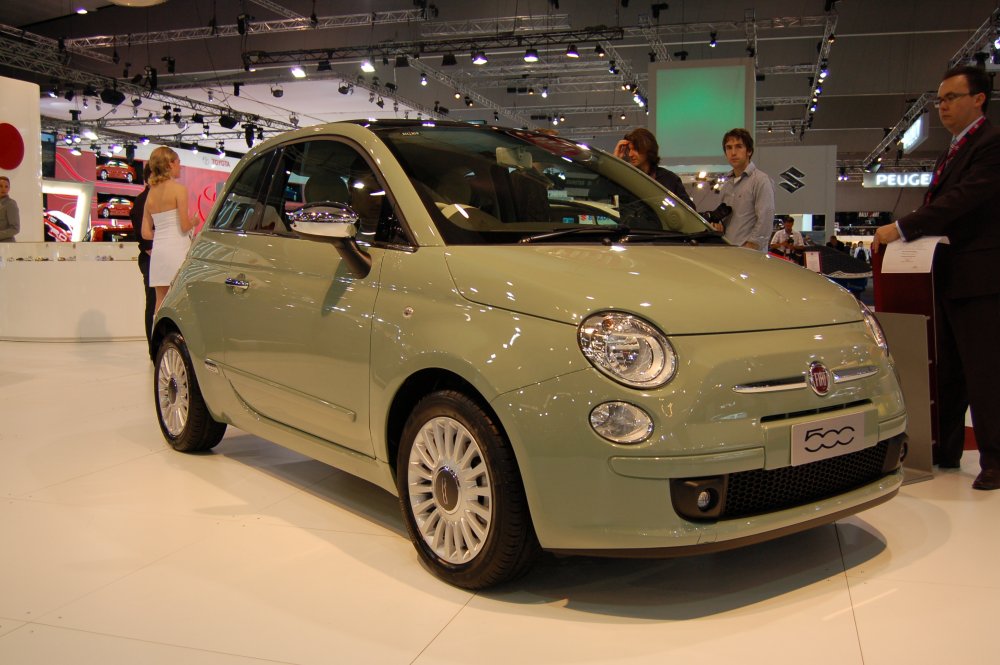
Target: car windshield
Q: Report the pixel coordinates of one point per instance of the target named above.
(485, 185)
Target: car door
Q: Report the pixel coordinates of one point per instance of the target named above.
(299, 323)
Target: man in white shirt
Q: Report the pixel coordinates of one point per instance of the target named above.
(749, 192)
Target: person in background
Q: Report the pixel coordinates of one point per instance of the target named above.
(788, 242)
(749, 192)
(639, 148)
(165, 220)
(963, 204)
(145, 250)
(10, 218)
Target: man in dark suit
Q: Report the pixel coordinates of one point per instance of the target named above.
(963, 203)
(145, 250)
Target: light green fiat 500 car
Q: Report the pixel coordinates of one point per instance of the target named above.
(531, 343)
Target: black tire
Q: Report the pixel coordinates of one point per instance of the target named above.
(463, 483)
(184, 418)
(128, 177)
(104, 175)
(105, 213)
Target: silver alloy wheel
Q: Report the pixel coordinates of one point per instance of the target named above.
(450, 490)
(173, 391)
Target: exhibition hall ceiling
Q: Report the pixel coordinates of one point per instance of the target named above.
(881, 58)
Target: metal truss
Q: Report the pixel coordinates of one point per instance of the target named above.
(751, 32)
(986, 33)
(651, 35)
(821, 61)
(624, 68)
(11, 33)
(489, 26)
(432, 46)
(787, 69)
(46, 61)
(85, 44)
(782, 101)
(733, 26)
(276, 8)
(477, 98)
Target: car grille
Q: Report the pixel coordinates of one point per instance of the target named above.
(766, 490)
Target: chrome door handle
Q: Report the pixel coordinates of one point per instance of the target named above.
(238, 283)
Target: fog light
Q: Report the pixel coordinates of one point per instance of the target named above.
(621, 422)
(706, 499)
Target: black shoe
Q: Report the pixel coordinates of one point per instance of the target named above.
(988, 479)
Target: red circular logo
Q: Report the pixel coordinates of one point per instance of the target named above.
(11, 147)
(819, 378)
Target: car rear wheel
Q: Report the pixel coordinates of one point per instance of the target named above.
(104, 174)
(184, 418)
(105, 213)
(128, 177)
(461, 494)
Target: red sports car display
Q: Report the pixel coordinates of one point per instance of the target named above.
(114, 207)
(116, 169)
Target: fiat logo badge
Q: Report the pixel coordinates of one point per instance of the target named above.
(819, 378)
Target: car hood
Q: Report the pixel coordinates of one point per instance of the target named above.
(683, 290)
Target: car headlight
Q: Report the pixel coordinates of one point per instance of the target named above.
(875, 329)
(628, 349)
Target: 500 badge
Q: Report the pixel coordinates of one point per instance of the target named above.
(822, 439)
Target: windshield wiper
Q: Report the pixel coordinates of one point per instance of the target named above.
(615, 231)
(641, 235)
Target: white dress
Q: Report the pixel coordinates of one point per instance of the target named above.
(170, 246)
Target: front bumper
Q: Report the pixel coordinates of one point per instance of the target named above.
(589, 495)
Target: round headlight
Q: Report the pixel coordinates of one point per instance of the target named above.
(875, 329)
(628, 349)
(621, 422)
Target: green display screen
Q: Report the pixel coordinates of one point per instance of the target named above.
(693, 104)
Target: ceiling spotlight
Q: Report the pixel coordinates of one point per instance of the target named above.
(531, 91)
(144, 140)
(323, 66)
(831, 39)
(294, 119)
(622, 116)
(343, 88)
(194, 148)
(657, 8)
(402, 61)
(612, 67)
(236, 89)
(531, 55)
(75, 151)
(367, 66)
(545, 91)
(276, 91)
(599, 50)
(423, 79)
(298, 72)
(571, 51)
(479, 58)
(204, 131)
(220, 148)
(69, 95)
(171, 64)
(380, 103)
(712, 41)
(468, 100)
(448, 60)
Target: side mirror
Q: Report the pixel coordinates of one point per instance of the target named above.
(335, 223)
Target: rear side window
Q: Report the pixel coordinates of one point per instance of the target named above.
(242, 209)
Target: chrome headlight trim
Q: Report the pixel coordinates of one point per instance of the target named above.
(628, 349)
(875, 329)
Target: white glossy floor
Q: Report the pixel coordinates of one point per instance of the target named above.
(115, 549)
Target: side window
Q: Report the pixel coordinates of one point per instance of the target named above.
(241, 208)
(326, 171)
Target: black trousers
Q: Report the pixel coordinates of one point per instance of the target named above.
(968, 367)
(150, 301)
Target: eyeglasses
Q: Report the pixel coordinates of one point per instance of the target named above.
(949, 98)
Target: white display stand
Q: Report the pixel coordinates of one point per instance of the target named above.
(61, 292)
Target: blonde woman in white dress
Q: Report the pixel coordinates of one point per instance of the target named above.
(165, 220)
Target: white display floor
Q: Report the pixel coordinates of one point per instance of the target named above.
(115, 549)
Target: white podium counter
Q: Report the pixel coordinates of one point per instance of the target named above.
(70, 291)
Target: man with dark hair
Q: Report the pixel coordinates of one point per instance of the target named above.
(963, 203)
(639, 148)
(749, 192)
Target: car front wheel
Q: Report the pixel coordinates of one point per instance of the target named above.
(128, 177)
(104, 175)
(461, 494)
(184, 418)
(105, 213)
